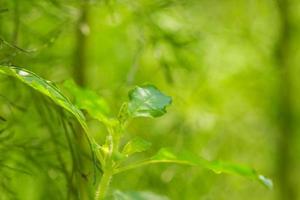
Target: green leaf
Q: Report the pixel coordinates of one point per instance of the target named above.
(43, 86)
(166, 156)
(48, 89)
(88, 100)
(135, 145)
(147, 101)
(118, 195)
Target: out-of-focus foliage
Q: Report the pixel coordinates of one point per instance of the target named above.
(217, 59)
(88, 100)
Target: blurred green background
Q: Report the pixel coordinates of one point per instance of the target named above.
(231, 67)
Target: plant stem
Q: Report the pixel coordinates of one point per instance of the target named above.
(103, 185)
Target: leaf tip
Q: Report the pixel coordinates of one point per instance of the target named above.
(265, 181)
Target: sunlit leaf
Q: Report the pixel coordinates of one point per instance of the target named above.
(166, 156)
(147, 101)
(135, 145)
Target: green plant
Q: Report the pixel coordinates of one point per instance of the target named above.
(112, 157)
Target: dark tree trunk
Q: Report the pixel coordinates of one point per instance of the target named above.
(80, 60)
(285, 109)
(79, 75)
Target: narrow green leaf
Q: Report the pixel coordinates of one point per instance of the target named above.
(135, 145)
(48, 89)
(88, 100)
(166, 156)
(147, 101)
(45, 87)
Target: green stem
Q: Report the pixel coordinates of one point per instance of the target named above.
(148, 162)
(103, 186)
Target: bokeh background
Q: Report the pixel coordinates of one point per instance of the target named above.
(232, 68)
